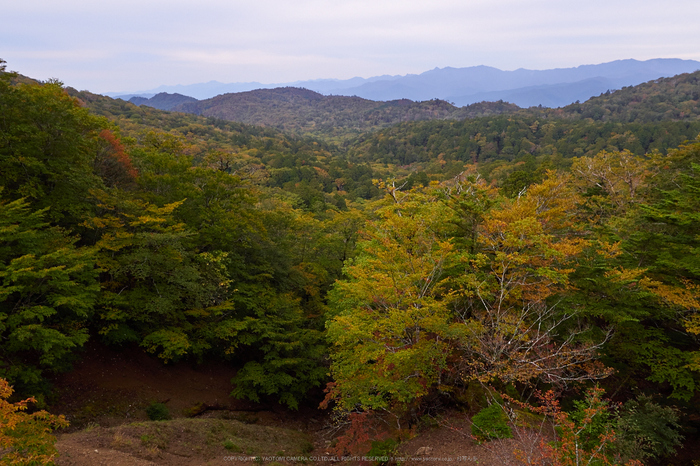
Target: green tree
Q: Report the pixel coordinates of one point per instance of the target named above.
(279, 304)
(645, 209)
(155, 290)
(48, 291)
(266, 316)
(48, 144)
(666, 245)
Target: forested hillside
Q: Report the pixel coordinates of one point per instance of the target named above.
(300, 110)
(133, 241)
(163, 100)
(303, 111)
(431, 265)
(514, 137)
(315, 170)
(667, 99)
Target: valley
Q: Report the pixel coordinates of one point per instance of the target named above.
(279, 273)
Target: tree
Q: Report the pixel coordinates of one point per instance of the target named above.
(156, 291)
(646, 208)
(454, 284)
(285, 352)
(47, 147)
(112, 163)
(666, 245)
(25, 439)
(586, 436)
(611, 184)
(48, 291)
(506, 293)
(389, 323)
(237, 275)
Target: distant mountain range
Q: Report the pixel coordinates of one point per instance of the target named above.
(303, 111)
(464, 86)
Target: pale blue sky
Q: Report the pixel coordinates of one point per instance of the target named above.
(130, 45)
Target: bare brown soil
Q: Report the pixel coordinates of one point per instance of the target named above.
(105, 398)
(450, 443)
(110, 387)
(211, 441)
(106, 395)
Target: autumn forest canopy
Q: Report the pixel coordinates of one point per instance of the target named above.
(385, 265)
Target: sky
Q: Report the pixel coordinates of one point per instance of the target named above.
(137, 45)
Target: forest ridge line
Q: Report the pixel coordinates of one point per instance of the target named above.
(303, 111)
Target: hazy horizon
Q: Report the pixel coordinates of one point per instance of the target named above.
(126, 46)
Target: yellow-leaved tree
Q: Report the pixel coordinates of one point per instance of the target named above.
(454, 284)
(389, 330)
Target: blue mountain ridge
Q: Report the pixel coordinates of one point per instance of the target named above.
(464, 86)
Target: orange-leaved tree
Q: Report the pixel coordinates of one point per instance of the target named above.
(25, 439)
(585, 436)
(506, 293)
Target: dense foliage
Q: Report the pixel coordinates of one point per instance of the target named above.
(425, 264)
(664, 99)
(155, 242)
(517, 138)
